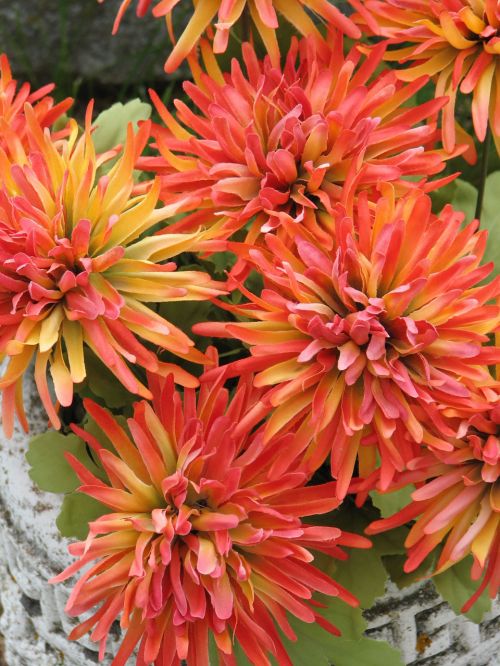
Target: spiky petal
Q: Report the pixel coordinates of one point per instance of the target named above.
(205, 535)
(77, 267)
(224, 14)
(456, 42)
(458, 506)
(365, 337)
(270, 144)
(12, 101)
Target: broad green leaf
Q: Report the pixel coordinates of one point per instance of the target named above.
(77, 511)
(394, 565)
(456, 587)
(315, 646)
(49, 468)
(185, 314)
(104, 385)
(222, 262)
(460, 194)
(92, 428)
(390, 503)
(490, 220)
(111, 124)
(349, 620)
(363, 574)
(465, 199)
(364, 652)
(391, 542)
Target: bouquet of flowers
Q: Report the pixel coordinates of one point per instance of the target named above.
(263, 322)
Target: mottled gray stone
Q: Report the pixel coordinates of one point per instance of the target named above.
(35, 626)
(68, 40)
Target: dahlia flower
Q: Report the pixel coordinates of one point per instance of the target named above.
(459, 505)
(276, 144)
(204, 536)
(75, 270)
(263, 13)
(12, 101)
(362, 338)
(454, 41)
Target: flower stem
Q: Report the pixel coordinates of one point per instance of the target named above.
(484, 174)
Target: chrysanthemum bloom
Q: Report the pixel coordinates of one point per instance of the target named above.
(454, 41)
(273, 144)
(263, 14)
(459, 506)
(204, 536)
(359, 337)
(75, 269)
(12, 101)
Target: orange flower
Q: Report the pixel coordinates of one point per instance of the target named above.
(76, 270)
(205, 537)
(459, 505)
(263, 13)
(12, 101)
(273, 144)
(360, 338)
(455, 41)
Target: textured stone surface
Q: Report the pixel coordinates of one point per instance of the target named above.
(35, 626)
(33, 621)
(427, 631)
(64, 40)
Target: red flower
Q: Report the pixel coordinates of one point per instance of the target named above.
(205, 537)
(361, 336)
(12, 100)
(76, 268)
(454, 41)
(277, 144)
(459, 505)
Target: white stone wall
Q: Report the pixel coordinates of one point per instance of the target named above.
(35, 626)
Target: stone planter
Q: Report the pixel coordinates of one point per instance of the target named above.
(35, 626)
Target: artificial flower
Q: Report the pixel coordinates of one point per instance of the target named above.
(205, 535)
(76, 267)
(454, 41)
(362, 336)
(13, 99)
(262, 13)
(270, 144)
(458, 506)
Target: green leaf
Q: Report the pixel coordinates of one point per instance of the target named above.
(77, 511)
(391, 542)
(465, 198)
(390, 503)
(185, 314)
(111, 124)
(490, 220)
(103, 384)
(316, 646)
(456, 587)
(363, 574)
(349, 620)
(213, 656)
(460, 194)
(394, 565)
(49, 468)
(222, 262)
(364, 652)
